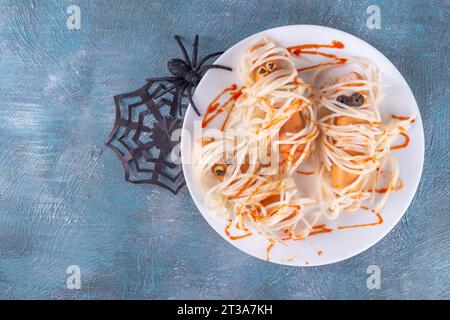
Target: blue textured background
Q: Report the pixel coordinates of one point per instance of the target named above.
(63, 200)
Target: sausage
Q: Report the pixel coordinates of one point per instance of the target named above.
(341, 178)
(293, 125)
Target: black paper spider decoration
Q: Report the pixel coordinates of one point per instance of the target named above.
(144, 136)
(187, 73)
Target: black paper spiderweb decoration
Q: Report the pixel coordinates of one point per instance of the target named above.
(144, 134)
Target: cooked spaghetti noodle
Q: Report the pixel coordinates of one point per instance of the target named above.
(268, 133)
(274, 122)
(354, 144)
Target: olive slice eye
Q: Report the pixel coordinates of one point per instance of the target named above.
(218, 170)
(343, 99)
(271, 66)
(262, 70)
(356, 100)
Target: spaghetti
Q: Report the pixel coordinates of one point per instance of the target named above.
(276, 121)
(269, 132)
(354, 145)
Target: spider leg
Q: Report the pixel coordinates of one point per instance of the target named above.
(209, 56)
(213, 66)
(162, 79)
(170, 88)
(180, 99)
(176, 102)
(191, 100)
(194, 51)
(183, 49)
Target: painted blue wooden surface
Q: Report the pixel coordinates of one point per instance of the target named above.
(63, 200)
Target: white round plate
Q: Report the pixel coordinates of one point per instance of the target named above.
(340, 244)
